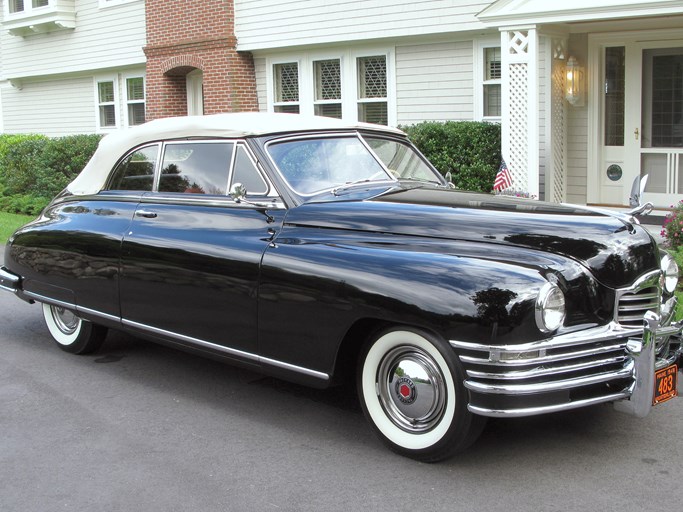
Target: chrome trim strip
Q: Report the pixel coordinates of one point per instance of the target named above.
(541, 372)
(227, 350)
(547, 387)
(545, 359)
(68, 305)
(188, 339)
(591, 335)
(533, 411)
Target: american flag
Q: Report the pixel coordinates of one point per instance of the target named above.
(503, 179)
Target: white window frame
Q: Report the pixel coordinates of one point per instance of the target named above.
(126, 100)
(271, 84)
(28, 9)
(480, 47)
(356, 80)
(314, 84)
(117, 111)
(349, 77)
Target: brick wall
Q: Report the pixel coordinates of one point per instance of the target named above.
(183, 36)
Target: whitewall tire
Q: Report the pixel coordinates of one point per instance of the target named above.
(71, 333)
(411, 389)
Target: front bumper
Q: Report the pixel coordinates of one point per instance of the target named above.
(602, 364)
(8, 281)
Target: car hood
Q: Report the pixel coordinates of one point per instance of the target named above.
(616, 251)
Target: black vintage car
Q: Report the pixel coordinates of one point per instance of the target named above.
(322, 252)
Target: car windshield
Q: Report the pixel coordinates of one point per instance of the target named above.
(401, 160)
(314, 165)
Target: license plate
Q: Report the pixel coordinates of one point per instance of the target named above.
(665, 384)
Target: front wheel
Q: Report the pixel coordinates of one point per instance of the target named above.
(411, 390)
(73, 334)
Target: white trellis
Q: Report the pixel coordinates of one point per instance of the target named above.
(556, 172)
(520, 107)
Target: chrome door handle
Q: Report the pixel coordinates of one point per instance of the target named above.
(146, 214)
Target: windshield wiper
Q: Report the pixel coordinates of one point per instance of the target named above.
(351, 184)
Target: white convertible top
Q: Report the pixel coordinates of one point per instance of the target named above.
(114, 145)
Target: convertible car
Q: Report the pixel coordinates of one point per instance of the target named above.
(332, 254)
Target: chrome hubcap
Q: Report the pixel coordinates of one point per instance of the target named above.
(65, 320)
(411, 389)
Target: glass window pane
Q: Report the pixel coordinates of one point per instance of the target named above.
(286, 78)
(666, 108)
(329, 110)
(40, 3)
(375, 112)
(314, 165)
(136, 172)
(107, 116)
(16, 5)
(196, 168)
(615, 67)
(372, 77)
(247, 174)
(106, 91)
(327, 79)
(493, 64)
(287, 109)
(135, 88)
(136, 113)
(492, 100)
(401, 160)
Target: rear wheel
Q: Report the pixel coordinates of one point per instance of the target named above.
(410, 385)
(71, 333)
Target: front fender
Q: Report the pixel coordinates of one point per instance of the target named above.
(316, 283)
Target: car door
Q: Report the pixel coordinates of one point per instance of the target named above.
(190, 261)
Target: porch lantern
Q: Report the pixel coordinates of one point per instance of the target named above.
(575, 86)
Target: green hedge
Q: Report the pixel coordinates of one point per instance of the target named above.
(35, 168)
(469, 150)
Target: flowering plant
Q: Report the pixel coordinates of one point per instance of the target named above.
(672, 230)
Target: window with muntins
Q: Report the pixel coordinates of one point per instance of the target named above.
(286, 87)
(328, 88)
(106, 104)
(492, 105)
(372, 89)
(135, 99)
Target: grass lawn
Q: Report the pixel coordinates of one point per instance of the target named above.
(9, 222)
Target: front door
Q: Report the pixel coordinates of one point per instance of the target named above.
(642, 121)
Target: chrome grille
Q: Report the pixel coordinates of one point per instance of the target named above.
(632, 303)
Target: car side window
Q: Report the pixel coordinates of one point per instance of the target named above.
(136, 171)
(196, 167)
(247, 174)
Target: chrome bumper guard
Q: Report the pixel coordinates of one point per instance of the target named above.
(8, 281)
(597, 365)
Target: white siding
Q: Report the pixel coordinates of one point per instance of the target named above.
(434, 82)
(54, 107)
(261, 84)
(103, 38)
(577, 157)
(267, 24)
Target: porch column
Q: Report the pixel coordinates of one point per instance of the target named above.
(520, 119)
(556, 122)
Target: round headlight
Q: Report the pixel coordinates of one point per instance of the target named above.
(550, 308)
(669, 273)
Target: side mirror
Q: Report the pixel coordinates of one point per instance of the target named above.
(238, 192)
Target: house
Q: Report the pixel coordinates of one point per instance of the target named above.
(589, 93)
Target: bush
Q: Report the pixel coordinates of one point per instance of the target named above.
(469, 150)
(35, 168)
(672, 230)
